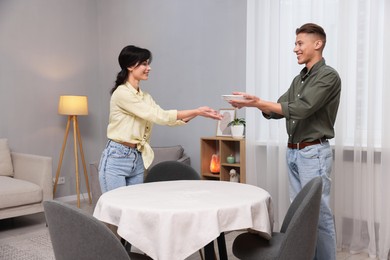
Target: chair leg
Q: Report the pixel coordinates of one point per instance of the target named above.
(222, 247)
(126, 244)
(201, 254)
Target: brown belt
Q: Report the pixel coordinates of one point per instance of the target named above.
(302, 145)
(128, 144)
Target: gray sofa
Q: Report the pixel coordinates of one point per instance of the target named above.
(161, 154)
(25, 182)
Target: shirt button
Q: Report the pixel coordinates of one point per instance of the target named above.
(299, 95)
(293, 121)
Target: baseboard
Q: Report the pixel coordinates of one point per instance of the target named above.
(72, 197)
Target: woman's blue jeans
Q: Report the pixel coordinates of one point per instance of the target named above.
(304, 165)
(120, 166)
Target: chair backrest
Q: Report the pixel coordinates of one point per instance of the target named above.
(76, 235)
(301, 221)
(171, 171)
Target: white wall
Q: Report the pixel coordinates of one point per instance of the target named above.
(52, 48)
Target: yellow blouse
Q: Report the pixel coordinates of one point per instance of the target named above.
(132, 115)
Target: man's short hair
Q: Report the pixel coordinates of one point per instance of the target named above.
(313, 29)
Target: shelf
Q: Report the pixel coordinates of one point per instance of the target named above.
(211, 175)
(224, 147)
(231, 164)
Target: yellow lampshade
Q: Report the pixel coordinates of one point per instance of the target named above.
(73, 105)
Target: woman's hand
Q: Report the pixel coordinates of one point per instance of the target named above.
(209, 113)
(187, 115)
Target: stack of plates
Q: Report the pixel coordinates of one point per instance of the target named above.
(232, 97)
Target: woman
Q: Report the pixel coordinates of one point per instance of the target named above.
(132, 115)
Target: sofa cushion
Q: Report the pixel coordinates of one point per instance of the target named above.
(167, 153)
(6, 168)
(14, 192)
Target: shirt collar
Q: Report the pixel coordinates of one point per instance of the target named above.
(133, 90)
(306, 73)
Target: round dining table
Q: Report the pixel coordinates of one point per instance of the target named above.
(170, 220)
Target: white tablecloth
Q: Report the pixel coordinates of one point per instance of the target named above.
(172, 220)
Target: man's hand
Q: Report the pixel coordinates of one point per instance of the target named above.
(266, 107)
(248, 101)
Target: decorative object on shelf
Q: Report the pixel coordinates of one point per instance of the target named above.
(230, 159)
(223, 146)
(237, 127)
(215, 165)
(234, 176)
(73, 106)
(223, 128)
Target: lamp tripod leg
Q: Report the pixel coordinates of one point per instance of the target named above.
(75, 127)
(61, 156)
(84, 165)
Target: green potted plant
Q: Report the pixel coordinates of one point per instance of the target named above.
(238, 127)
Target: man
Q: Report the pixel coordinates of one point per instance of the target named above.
(310, 107)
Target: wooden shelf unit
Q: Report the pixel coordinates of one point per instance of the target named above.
(223, 146)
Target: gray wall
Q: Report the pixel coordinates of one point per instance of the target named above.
(52, 48)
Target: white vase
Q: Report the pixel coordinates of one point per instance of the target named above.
(237, 131)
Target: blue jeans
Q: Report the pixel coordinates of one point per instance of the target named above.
(120, 166)
(304, 165)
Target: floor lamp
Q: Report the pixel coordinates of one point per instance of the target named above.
(73, 106)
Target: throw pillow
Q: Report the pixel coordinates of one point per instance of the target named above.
(6, 168)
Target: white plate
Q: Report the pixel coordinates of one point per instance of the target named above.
(233, 97)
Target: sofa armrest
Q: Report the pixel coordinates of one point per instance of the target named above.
(185, 159)
(36, 169)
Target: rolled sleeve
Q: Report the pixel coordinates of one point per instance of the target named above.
(285, 109)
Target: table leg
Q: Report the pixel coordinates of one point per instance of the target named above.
(209, 253)
(222, 247)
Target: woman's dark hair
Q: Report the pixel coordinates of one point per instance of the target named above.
(130, 56)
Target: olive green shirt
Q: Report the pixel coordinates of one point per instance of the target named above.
(310, 104)
(132, 115)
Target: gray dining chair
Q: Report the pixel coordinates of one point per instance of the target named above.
(298, 235)
(76, 235)
(171, 171)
